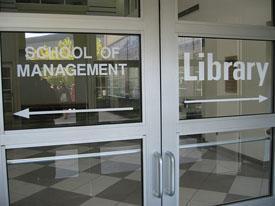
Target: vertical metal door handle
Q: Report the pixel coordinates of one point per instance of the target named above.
(172, 174)
(158, 159)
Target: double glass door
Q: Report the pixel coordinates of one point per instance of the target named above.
(80, 119)
(216, 111)
(155, 106)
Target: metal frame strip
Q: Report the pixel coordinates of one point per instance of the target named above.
(209, 144)
(70, 157)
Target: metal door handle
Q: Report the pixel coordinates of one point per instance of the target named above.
(158, 183)
(171, 174)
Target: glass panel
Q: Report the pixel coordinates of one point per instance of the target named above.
(108, 173)
(230, 172)
(126, 8)
(256, 12)
(69, 79)
(224, 77)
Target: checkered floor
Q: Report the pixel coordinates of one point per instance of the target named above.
(208, 176)
(211, 176)
(107, 181)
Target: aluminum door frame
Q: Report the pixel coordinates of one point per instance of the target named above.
(147, 25)
(172, 127)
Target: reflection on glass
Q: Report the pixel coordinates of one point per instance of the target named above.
(224, 77)
(129, 8)
(256, 12)
(78, 74)
(108, 173)
(214, 175)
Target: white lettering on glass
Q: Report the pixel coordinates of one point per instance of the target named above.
(216, 70)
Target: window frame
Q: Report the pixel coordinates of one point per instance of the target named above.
(172, 126)
(148, 130)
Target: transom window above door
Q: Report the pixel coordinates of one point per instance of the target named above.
(256, 12)
(129, 8)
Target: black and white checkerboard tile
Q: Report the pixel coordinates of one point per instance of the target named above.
(212, 177)
(207, 177)
(114, 181)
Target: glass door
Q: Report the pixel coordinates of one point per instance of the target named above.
(217, 102)
(81, 103)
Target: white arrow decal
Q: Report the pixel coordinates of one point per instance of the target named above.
(26, 113)
(260, 99)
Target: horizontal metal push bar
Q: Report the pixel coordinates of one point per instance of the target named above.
(209, 144)
(70, 157)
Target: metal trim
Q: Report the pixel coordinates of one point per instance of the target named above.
(4, 196)
(226, 124)
(69, 157)
(208, 144)
(172, 174)
(159, 191)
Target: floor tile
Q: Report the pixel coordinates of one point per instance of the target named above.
(73, 183)
(186, 166)
(124, 191)
(218, 183)
(115, 169)
(99, 202)
(183, 202)
(204, 165)
(50, 196)
(249, 169)
(97, 185)
(193, 179)
(186, 194)
(14, 197)
(129, 158)
(42, 154)
(136, 175)
(234, 198)
(265, 187)
(191, 155)
(219, 153)
(181, 172)
(24, 188)
(22, 153)
(227, 167)
(246, 186)
(18, 170)
(135, 197)
(45, 176)
(200, 203)
(208, 197)
(124, 204)
(188, 157)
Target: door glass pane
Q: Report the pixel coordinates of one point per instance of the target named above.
(69, 79)
(221, 168)
(256, 12)
(126, 8)
(108, 173)
(224, 77)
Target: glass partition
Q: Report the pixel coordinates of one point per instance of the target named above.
(224, 77)
(70, 79)
(221, 168)
(108, 173)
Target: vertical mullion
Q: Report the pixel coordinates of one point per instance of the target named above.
(151, 90)
(1, 94)
(170, 92)
(272, 156)
(4, 198)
